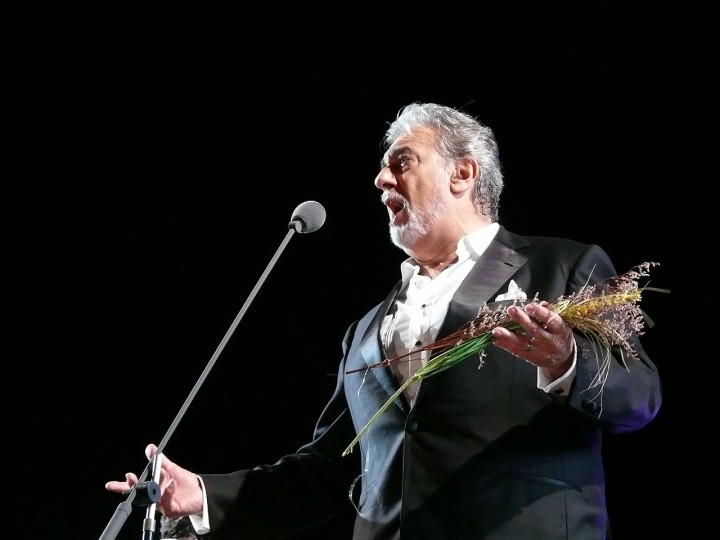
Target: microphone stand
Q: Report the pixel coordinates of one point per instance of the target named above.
(308, 217)
(150, 522)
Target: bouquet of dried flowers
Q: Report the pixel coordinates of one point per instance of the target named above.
(608, 313)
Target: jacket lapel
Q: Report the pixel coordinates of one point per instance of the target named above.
(372, 350)
(496, 266)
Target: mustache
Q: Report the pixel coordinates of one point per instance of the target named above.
(394, 200)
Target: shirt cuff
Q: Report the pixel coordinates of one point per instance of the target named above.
(561, 385)
(201, 522)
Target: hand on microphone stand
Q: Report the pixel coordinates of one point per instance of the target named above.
(180, 491)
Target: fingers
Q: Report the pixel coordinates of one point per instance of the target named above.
(166, 479)
(532, 319)
(150, 450)
(167, 490)
(537, 320)
(131, 479)
(537, 334)
(117, 487)
(122, 487)
(166, 469)
(540, 316)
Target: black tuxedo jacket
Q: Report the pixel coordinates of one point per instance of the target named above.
(482, 454)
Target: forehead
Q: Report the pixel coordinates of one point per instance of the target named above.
(420, 140)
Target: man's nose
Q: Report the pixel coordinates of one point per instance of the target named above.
(384, 179)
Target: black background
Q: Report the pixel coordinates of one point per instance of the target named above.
(156, 158)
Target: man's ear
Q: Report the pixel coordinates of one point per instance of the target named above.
(466, 172)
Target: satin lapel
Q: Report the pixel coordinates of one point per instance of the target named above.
(371, 349)
(494, 268)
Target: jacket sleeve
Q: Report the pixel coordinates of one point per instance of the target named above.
(627, 395)
(297, 492)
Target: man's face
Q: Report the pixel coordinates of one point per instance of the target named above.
(414, 180)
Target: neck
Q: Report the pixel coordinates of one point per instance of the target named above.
(437, 251)
(432, 267)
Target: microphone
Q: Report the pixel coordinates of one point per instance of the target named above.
(307, 217)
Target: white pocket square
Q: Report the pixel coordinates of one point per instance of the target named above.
(514, 293)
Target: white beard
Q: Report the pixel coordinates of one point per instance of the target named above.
(418, 224)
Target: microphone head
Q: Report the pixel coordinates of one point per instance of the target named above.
(307, 217)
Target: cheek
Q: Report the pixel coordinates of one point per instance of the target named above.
(426, 187)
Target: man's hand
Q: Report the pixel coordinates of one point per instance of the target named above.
(180, 491)
(546, 342)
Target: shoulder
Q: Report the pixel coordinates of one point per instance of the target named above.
(545, 244)
(559, 253)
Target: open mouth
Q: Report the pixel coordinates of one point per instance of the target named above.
(395, 205)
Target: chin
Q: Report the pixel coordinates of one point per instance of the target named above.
(402, 236)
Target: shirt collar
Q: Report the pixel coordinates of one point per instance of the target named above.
(471, 245)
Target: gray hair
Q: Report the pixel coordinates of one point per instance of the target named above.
(459, 135)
